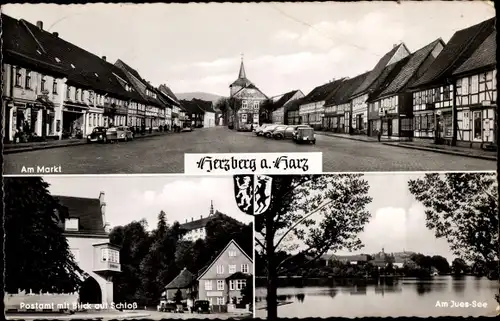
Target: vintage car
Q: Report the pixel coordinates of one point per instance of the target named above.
(279, 132)
(201, 306)
(120, 133)
(304, 135)
(187, 129)
(268, 131)
(259, 129)
(99, 134)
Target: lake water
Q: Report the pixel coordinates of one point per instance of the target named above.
(386, 298)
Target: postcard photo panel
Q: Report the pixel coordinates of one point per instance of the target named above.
(149, 247)
(364, 245)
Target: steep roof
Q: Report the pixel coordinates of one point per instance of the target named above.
(191, 107)
(165, 91)
(416, 60)
(345, 90)
(88, 212)
(249, 86)
(375, 73)
(183, 280)
(386, 77)
(19, 46)
(294, 105)
(460, 47)
(79, 66)
(202, 272)
(284, 99)
(323, 92)
(131, 71)
(206, 106)
(484, 56)
(202, 222)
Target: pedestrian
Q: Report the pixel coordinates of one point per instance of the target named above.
(379, 135)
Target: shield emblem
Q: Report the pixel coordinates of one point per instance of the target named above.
(244, 193)
(262, 193)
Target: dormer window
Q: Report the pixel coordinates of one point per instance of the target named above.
(95, 74)
(71, 224)
(57, 59)
(73, 66)
(38, 52)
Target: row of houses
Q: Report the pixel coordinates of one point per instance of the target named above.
(444, 92)
(55, 89)
(380, 259)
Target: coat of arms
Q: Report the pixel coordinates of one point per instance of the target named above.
(253, 193)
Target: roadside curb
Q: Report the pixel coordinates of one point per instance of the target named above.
(15, 150)
(347, 137)
(442, 151)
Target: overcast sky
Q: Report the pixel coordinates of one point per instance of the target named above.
(131, 198)
(198, 47)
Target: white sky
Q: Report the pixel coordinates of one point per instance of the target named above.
(397, 223)
(131, 198)
(197, 47)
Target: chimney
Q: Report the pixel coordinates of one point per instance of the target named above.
(39, 24)
(104, 58)
(56, 34)
(186, 220)
(192, 219)
(201, 217)
(394, 45)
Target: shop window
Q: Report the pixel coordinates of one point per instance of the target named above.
(447, 122)
(406, 124)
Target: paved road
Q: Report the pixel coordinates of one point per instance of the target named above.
(165, 154)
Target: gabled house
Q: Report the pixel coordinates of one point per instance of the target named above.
(185, 282)
(53, 88)
(292, 111)
(208, 112)
(358, 119)
(350, 259)
(279, 106)
(223, 279)
(83, 221)
(434, 92)
(390, 108)
(312, 108)
(174, 102)
(196, 229)
(247, 100)
(154, 108)
(476, 97)
(195, 114)
(338, 106)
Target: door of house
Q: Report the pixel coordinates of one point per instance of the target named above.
(389, 127)
(477, 126)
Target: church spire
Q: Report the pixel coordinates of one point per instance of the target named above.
(242, 74)
(211, 208)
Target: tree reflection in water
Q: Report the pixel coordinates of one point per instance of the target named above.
(423, 287)
(300, 297)
(458, 284)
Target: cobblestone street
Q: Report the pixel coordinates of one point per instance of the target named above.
(165, 154)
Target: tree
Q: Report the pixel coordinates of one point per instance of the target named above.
(178, 296)
(134, 242)
(338, 201)
(459, 266)
(463, 209)
(37, 255)
(223, 105)
(441, 264)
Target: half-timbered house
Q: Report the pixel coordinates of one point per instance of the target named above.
(476, 96)
(434, 93)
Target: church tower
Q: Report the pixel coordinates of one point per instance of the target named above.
(241, 82)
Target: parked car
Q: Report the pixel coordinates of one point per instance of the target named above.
(120, 133)
(258, 130)
(187, 129)
(304, 134)
(99, 134)
(268, 131)
(201, 306)
(279, 132)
